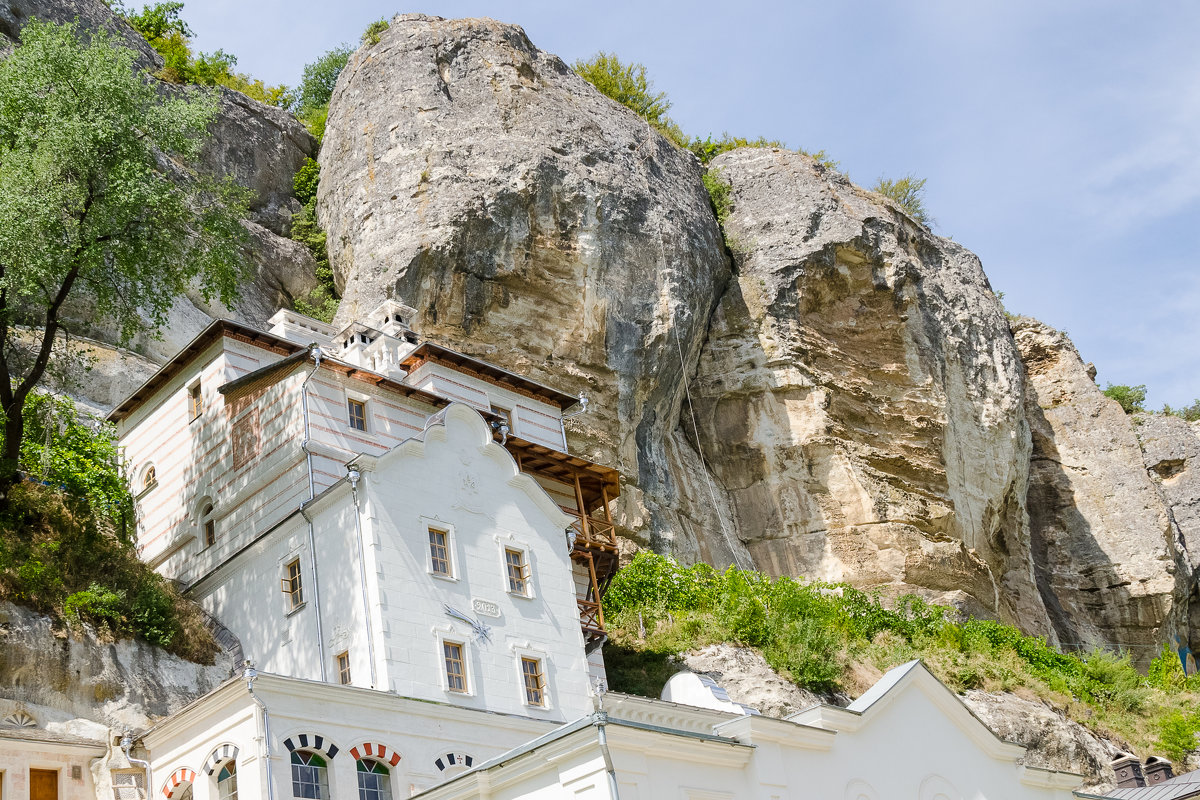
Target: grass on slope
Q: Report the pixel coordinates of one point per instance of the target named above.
(828, 637)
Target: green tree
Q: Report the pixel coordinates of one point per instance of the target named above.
(99, 201)
(629, 86)
(909, 193)
(316, 87)
(1131, 398)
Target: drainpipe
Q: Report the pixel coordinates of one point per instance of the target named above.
(249, 673)
(601, 717)
(353, 476)
(126, 747)
(312, 545)
(562, 419)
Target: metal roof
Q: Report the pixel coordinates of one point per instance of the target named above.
(1177, 788)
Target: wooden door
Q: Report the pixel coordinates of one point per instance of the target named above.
(43, 784)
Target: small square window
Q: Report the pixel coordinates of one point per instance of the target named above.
(293, 586)
(456, 676)
(505, 415)
(518, 571)
(343, 663)
(535, 681)
(195, 400)
(358, 415)
(439, 552)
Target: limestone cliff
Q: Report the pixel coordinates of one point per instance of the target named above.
(532, 222)
(858, 396)
(1109, 562)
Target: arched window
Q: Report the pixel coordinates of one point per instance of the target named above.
(149, 478)
(208, 523)
(227, 781)
(310, 775)
(374, 780)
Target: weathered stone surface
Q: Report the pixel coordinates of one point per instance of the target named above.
(749, 680)
(1108, 563)
(92, 14)
(858, 396)
(1171, 452)
(532, 222)
(1052, 741)
(65, 678)
(260, 147)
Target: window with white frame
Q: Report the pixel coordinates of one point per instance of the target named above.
(208, 522)
(227, 781)
(310, 775)
(357, 413)
(292, 584)
(455, 666)
(533, 680)
(195, 400)
(439, 552)
(374, 780)
(516, 567)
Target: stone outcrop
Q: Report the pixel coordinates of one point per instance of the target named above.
(531, 221)
(749, 680)
(1051, 740)
(92, 14)
(72, 682)
(1109, 563)
(858, 396)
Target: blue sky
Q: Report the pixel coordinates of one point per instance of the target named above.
(1060, 140)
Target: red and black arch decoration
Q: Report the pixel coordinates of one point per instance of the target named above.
(179, 777)
(449, 760)
(311, 741)
(376, 751)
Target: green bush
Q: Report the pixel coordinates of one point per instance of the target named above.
(908, 193)
(719, 193)
(96, 603)
(629, 86)
(374, 32)
(171, 37)
(316, 88)
(1131, 398)
(322, 302)
(1191, 413)
(306, 180)
(1177, 734)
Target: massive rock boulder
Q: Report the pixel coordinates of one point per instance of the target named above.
(859, 396)
(531, 221)
(1109, 563)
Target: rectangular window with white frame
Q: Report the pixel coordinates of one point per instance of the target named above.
(440, 552)
(516, 568)
(357, 413)
(533, 681)
(455, 665)
(292, 584)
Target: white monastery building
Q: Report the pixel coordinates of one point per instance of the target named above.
(412, 564)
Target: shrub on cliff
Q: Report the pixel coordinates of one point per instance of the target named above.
(629, 86)
(316, 87)
(908, 193)
(65, 538)
(1131, 398)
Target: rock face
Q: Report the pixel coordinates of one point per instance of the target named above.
(858, 396)
(70, 680)
(749, 680)
(1051, 740)
(1109, 562)
(260, 147)
(1171, 452)
(531, 221)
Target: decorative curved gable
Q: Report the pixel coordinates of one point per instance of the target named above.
(467, 419)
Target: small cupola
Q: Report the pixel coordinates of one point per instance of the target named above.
(1129, 771)
(1157, 770)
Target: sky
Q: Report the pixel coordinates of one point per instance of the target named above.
(1060, 140)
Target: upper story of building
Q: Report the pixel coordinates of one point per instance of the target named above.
(244, 427)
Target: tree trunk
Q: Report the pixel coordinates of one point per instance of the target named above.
(10, 456)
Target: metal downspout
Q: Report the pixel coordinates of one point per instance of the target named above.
(249, 674)
(126, 747)
(601, 718)
(312, 544)
(353, 476)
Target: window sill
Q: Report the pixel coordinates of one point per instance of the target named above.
(441, 577)
(521, 595)
(296, 609)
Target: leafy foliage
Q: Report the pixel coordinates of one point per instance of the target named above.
(1191, 413)
(89, 207)
(1132, 399)
(719, 191)
(628, 85)
(306, 180)
(374, 32)
(316, 88)
(171, 37)
(822, 636)
(78, 454)
(908, 193)
(60, 557)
